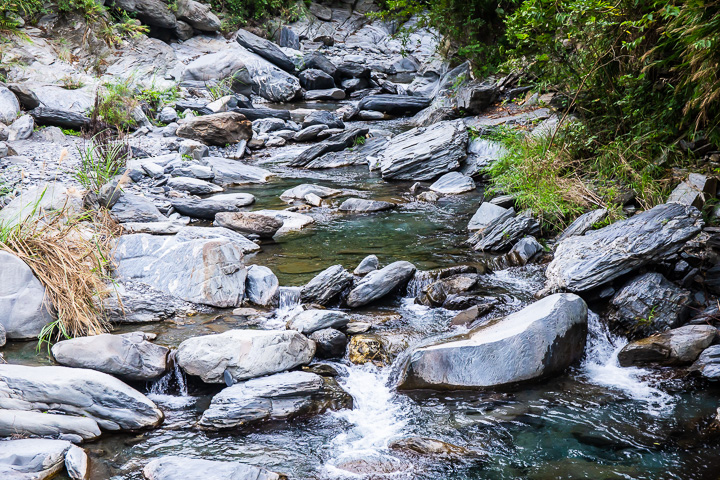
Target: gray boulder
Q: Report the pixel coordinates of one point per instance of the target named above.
(182, 468)
(503, 231)
(379, 283)
(394, 104)
(309, 321)
(244, 354)
(475, 97)
(207, 233)
(326, 286)
(322, 117)
(249, 222)
(424, 153)
(266, 125)
(128, 355)
(367, 265)
(583, 223)
(21, 129)
(309, 133)
(206, 270)
(261, 286)
(327, 94)
(24, 308)
(78, 391)
(541, 340)
(674, 347)
(363, 205)
(36, 424)
(453, 183)
(266, 49)
(330, 343)
(53, 117)
(32, 459)
(208, 207)
(302, 190)
(649, 304)
(198, 15)
(38, 201)
(315, 79)
(231, 172)
(149, 12)
(9, 106)
(138, 303)
(708, 363)
(76, 463)
(599, 256)
(317, 60)
(485, 214)
(218, 129)
(695, 190)
(135, 208)
(279, 397)
(3, 335)
(193, 186)
(335, 143)
(25, 95)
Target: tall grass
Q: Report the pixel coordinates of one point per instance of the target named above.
(101, 160)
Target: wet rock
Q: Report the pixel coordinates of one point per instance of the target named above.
(266, 49)
(135, 208)
(475, 97)
(694, 191)
(363, 205)
(217, 129)
(326, 286)
(301, 191)
(335, 143)
(208, 207)
(96, 395)
(292, 221)
(523, 251)
(314, 79)
(24, 309)
(466, 317)
(248, 222)
(380, 283)
(32, 459)
(428, 197)
(172, 467)
(327, 94)
(36, 424)
(437, 292)
(541, 340)
(207, 271)
(424, 153)
(309, 321)
(244, 354)
(279, 397)
(139, 304)
(482, 153)
(453, 183)
(193, 186)
(330, 343)
(599, 256)
(9, 106)
(502, 231)
(396, 105)
(708, 363)
(649, 304)
(674, 347)
(427, 446)
(198, 15)
(322, 117)
(149, 12)
(128, 355)
(367, 347)
(261, 286)
(53, 117)
(583, 223)
(76, 463)
(231, 172)
(367, 265)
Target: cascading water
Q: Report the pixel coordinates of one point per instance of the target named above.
(288, 305)
(173, 381)
(601, 367)
(420, 280)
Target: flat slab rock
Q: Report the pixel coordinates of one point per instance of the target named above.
(363, 205)
(309, 321)
(379, 283)
(279, 397)
(37, 424)
(540, 340)
(244, 354)
(453, 183)
(599, 256)
(678, 346)
(182, 468)
(207, 207)
(32, 459)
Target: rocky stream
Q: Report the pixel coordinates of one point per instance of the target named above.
(313, 283)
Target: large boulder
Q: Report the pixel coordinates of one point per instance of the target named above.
(330, 343)
(424, 153)
(453, 183)
(217, 129)
(197, 15)
(474, 97)
(78, 391)
(244, 354)
(231, 172)
(674, 347)
(708, 363)
(150, 12)
(326, 286)
(649, 304)
(248, 222)
(207, 207)
(314, 79)
(279, 397)
(24, 307)
(182, 468)
(261, 287)
(129, 355)
(503, 231)
(394, 104)
(363, 205)
(9, 106)
(32, 459)
(139, 303)
(336, 143)
(38, 424)
(301, 191)
(54, 117)
(309, 321)
(322, 117)
(207, 233)
(193, 186)
(208, 271)
(379, 283)
(538, 341)
(599, 256)
(131, 208)
(266, 49)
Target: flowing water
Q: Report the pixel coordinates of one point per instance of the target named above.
(596, 421)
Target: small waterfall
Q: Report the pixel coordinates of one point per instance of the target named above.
(420, 280)
(172, 381)
(601, 367)
(288, 305)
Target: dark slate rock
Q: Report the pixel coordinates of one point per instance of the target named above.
(59, 118)
(335, 143)
(323, 117)
(320, 62)
(326, 286)
(675, 347)
(315, 79)
(330, 343)
(263, 112)
(394, 104)
(266, 49)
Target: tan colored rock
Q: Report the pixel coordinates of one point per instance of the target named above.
(217, 129)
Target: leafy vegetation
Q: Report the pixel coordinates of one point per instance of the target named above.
(100, 161)
(237, 13)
